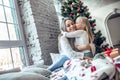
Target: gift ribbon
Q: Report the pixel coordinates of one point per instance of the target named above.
(109, 50)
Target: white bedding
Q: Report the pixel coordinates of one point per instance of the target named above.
(77, 69)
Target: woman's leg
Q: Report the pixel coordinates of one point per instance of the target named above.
(59, 63)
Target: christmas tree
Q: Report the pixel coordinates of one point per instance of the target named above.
(74, 8)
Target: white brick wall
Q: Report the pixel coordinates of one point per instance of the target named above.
(41, 29)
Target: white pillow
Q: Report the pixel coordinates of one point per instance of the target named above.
(10, 71)
(41, 71)
(22, 76)
(54, 56)
(39, 66)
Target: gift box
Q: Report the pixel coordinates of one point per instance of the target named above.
(112, 52)
(115, 53)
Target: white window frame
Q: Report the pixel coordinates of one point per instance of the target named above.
(16, 43)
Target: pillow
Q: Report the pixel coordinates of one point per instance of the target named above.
(54, 56)
(11, 70)
(22, 76)
(39, 66)
(37, 70)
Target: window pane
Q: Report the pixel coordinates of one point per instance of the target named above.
(9, 14)
(0, 1)
(5, 59)
(3, 32)
(6, 2)
(13, 32)
(16, 57)
(2, 15)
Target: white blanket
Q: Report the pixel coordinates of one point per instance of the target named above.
(77, 69)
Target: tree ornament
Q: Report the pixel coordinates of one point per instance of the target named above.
(71, 8)
(93, 25)
(71, 14)
(90, 17)
(73, 3)
(78, 14)
(81, 10)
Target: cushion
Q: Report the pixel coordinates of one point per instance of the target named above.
(22, 76)
(10, 71)
(37, 70)
(54, 56)
(39, 66)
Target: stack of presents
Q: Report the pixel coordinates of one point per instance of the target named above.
(115, 55)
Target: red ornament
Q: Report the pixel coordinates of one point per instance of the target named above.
(93, 25)
(90, 17)
(71, 14)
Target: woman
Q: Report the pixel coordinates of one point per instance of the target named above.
(66, 46)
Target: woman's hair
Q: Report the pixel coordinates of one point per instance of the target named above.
(62, 28)
(63, 25)
(85, 22)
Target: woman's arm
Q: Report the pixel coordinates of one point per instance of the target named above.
(64, 46)
(73, 34)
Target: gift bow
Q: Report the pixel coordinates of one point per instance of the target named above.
(108, 51)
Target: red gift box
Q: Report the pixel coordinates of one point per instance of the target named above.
(112, 52)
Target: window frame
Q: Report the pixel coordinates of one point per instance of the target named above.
(17, 43)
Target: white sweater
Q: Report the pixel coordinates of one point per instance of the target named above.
(81, 38)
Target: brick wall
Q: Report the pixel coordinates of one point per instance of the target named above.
(41, 29)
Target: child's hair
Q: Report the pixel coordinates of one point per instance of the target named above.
(85, 22)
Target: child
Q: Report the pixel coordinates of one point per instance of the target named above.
(83, 35)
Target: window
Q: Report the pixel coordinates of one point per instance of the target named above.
(12, 47)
